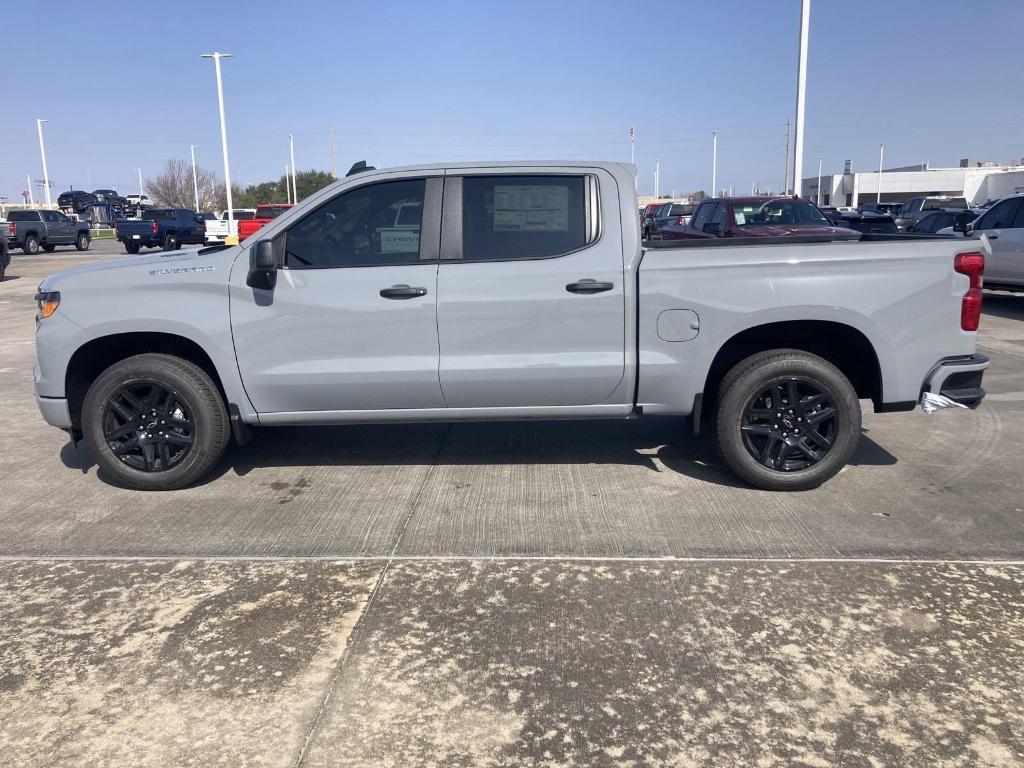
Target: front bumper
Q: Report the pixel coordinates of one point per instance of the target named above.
(959, 379)
(55, 410)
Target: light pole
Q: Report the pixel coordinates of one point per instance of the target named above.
(881, 157)
(28, 179)
(819, 180)
(232, 227)
(42, 153)
(657, 178)
(195, 180)
(139, 171)
(801, 83)
(714, 162)
(295, 189)
(785, 184)
(287, 184)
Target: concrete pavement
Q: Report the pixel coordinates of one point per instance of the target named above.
(498, 594)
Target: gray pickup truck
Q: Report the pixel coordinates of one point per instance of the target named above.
(31, 230)
(509, 291)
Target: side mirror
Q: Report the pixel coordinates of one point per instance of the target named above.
(713, 228)
(262, 266)
(968, 229)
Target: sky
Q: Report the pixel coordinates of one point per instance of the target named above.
(122, 86)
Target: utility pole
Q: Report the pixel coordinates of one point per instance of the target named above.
(785, 185)
(42, 153)
(819, 180)
(195, 179)
(334, 156)
(632, 158)
(881, 158)
(714, 163)
(801, 85)
(657, 178)
(232, 226)
(295, 189)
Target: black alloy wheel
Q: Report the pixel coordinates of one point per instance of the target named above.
(149, 426)
(790, 425)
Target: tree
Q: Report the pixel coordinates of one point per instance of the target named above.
(306, 183)
(173, 187)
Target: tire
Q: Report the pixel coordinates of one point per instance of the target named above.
(3, 267)
(49, 248)
(31, 245)
(761, 444)
(132, 246)
(190, 409)
(82, 243)
(170, 242)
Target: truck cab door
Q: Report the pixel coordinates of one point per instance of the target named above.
(351, 324)
(531, 296)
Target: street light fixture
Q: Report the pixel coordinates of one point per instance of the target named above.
(42, 153)
(232, 227)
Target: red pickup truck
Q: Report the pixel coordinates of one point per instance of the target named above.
(264, 214)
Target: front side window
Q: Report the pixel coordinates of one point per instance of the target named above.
(703, 215)
(373, 225)
(522, 217)
(1000, 216)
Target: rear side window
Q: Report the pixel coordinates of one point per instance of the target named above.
(522, 217)
(1000, 216)
(23, 216)
(367, 226)
(158, 213)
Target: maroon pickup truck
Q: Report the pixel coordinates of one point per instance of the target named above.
(754, 217)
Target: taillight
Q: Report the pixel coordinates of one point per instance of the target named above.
(153, 226)
(972, 265)
(10, 228)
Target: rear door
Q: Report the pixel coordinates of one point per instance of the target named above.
(352, 321)
(530, 287)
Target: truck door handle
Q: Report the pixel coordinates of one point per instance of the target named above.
(993, 237)
(402, 292)
(587, 286)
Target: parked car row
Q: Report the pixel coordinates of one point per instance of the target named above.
(754, 217)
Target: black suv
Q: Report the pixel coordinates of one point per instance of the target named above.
(111, 196)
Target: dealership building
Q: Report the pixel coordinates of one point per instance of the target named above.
(973, 180)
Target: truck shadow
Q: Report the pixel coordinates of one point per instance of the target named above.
(1008, 305)
(655, 444)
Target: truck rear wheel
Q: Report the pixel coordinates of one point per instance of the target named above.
(170, 242)
(787, 420)
(82, 243)
(132, 246)
(31, 245)
(155, 422)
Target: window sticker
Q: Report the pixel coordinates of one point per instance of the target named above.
(740, 218)
(541, 208)
(399, 240)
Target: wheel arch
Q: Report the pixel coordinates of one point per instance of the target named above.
(96, 355)
(844, 346)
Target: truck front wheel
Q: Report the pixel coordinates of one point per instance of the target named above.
(787, 420)
(82, 243)
(171, 242)
(155, 422)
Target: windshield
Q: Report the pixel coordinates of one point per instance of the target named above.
(681, 209)
(777, 213)
(23, 216)
(945, 202)
(269, 212)
(240, 215)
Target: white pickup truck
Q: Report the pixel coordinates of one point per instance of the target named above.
(505, 291)
(217, 230)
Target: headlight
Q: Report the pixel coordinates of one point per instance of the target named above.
(47, 301)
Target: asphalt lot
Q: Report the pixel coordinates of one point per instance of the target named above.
(596, 593)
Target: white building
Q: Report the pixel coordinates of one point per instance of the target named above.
(975, 181)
